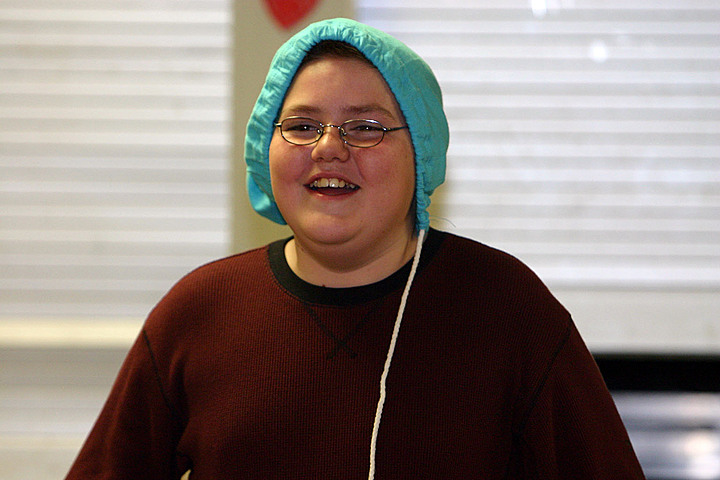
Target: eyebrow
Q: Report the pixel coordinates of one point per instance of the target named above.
(352, 110)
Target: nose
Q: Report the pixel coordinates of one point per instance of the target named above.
(330, 146)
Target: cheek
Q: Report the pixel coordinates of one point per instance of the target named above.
(404, 174)
(275, 154)
(410, 185)
(396, 183)
(280, 163)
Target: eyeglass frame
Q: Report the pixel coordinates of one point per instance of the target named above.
(340, 128)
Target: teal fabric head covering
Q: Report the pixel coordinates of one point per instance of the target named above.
(410, 79)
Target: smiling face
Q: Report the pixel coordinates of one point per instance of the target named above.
(334, 194)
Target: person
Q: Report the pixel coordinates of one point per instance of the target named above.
(367, 345)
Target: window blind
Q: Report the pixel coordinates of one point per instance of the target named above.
(584, 134)
(114, 139)
(584, 140)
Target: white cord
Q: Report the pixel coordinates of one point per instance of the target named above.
(391, 351)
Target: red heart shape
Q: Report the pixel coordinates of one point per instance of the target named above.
(289, 12)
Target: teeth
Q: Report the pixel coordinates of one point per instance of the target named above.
(332, 183)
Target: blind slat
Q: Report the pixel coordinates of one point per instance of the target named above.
(114, 126)
(578, 126)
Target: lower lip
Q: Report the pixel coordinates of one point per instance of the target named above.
(332, 192)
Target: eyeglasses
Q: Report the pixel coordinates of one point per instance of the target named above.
(356, 133)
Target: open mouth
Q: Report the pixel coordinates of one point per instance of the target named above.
(332, 186)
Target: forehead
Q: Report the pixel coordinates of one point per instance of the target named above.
(342, 85)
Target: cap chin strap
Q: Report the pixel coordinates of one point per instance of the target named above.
(391, 351)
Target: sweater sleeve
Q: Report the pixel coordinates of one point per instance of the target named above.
(572, 429)
(136, 434)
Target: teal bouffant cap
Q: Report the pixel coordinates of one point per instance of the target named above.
(410, 79)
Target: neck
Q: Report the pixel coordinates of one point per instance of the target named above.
(341, 266)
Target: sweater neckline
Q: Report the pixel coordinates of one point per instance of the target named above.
(315, 294)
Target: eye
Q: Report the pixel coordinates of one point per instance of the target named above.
(300, 130)
(300, 125)
(361, 126)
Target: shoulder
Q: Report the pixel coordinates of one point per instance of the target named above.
(227, 268)
(501, 303)
(487, 264)
(234, 272)
(463, 247)
(209, 288)
(491, 280)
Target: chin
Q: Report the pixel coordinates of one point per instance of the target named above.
(330, 236)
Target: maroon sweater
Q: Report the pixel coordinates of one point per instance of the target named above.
(244, 371)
